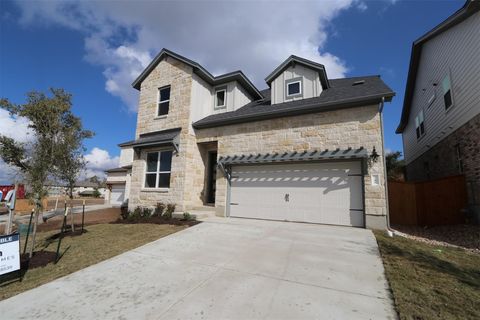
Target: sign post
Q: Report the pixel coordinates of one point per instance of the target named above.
(10, 200)
(9, 253)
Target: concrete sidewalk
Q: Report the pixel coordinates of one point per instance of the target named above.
(225, 269)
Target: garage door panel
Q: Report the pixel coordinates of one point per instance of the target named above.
(314, 192)
(117, 195)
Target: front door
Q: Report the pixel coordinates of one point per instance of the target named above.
(211, 176)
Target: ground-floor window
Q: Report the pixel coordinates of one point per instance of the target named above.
(157, 173)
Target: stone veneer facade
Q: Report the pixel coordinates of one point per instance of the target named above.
(354, 127)
(342, 129)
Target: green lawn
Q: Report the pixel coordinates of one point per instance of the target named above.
(431, 282)
(101, 242)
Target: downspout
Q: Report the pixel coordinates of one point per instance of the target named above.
(390, 232)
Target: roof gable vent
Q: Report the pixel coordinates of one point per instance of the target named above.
(359, 82)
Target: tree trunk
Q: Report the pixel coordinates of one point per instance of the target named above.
(34, 233)
(71, 212)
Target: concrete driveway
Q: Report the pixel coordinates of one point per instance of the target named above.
(225, 269)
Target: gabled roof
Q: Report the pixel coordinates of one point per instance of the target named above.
(469, 8)
(292, 60)
(201, 72)
(342, 93)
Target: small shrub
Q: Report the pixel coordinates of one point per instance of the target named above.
(146, 212)
(169, 211)
(96, 193)
(124, 213)
(188, 217)
(136, 214)
(159, 209)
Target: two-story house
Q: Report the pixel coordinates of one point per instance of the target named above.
(440, 122)
(307, 148)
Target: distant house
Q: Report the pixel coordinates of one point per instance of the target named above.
(440, 122)
(118, 179)
(82, 188)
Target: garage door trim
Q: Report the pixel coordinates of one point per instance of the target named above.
(361, 160)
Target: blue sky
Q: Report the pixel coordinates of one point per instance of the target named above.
(94, 50)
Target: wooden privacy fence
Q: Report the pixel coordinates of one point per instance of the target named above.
(437, 202)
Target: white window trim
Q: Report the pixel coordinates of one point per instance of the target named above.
(224, 98)
(417, 118)
(432, 99)
(450, 88)
(158, 102)
(299, 86)
(157, 172)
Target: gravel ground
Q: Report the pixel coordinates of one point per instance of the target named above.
(464, 236)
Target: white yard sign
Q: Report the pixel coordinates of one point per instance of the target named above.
(9, 253)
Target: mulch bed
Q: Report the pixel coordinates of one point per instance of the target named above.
(463, 236)
(159, 220)
(91, 218)
(39, 259)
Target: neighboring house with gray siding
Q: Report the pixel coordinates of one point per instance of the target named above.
(440, 123)
(308, 148)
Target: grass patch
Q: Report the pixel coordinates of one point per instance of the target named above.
(431, 282)
(102, 241)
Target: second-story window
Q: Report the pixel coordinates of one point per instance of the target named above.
(447, 92)
(293, 87)
(420, 125)
(163, 101)
(220, 98)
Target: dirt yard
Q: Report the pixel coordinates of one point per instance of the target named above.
(100, 242)
(91, 217)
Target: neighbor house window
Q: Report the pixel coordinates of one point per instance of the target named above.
(447, 92)
(294, 88)
(157, 173)
(420, 125)
(163, 100)
(221, 98)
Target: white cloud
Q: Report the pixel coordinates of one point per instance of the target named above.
(99, 160)
(223, 36)
(8, 174)
(362, 6)
(15, 128)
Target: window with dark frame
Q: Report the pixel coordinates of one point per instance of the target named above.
(294, 88)
(163, 101)
(420, 125)
(447, 92)
(220, 98)
(157, 173)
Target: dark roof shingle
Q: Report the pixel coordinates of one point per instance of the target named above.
(341, 94)
(157, 137)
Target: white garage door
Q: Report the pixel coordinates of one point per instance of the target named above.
(117, 195)
(329, 193)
